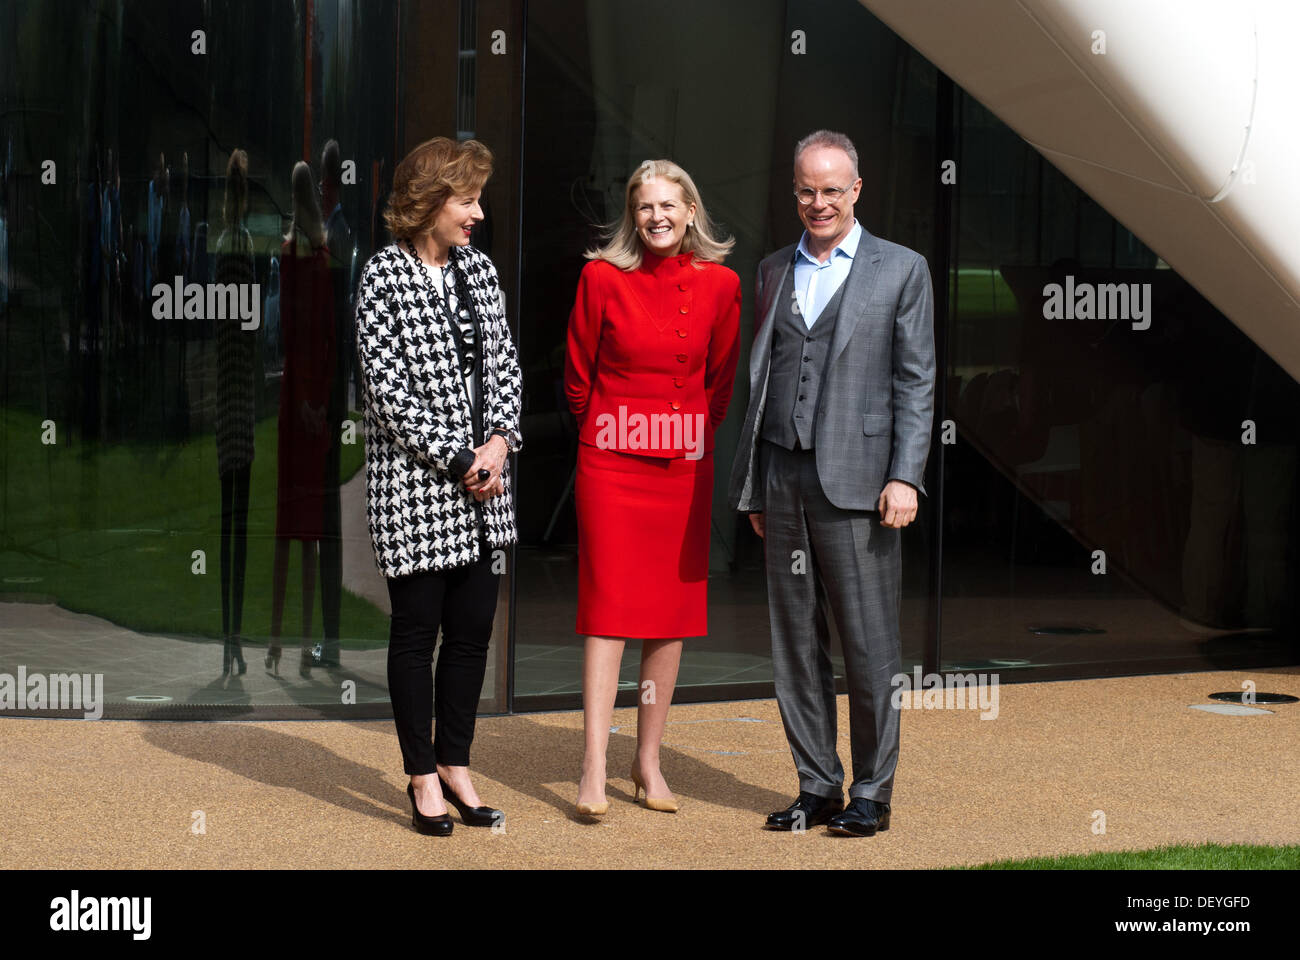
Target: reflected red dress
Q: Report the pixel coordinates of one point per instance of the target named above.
(307, 322)
(648, 374)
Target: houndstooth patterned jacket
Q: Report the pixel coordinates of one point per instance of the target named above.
(417, 413)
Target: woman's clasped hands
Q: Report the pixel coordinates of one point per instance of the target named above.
(490, 457)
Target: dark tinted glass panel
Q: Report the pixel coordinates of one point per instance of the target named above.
(601, 101)
(183, 481)
(1105, 508)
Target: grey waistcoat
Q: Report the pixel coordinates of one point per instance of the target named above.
(798, 369)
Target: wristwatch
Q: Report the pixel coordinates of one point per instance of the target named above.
(512, 439)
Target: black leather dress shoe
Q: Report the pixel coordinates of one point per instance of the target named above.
(470, 816)
(808, 810)
(861, 818)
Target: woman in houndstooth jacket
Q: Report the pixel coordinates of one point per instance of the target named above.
(442, 399)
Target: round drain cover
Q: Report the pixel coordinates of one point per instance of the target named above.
(1231, 709)
(1235, 696)
(148, 698)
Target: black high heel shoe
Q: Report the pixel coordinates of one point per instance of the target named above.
(470, 816)
(429, 826)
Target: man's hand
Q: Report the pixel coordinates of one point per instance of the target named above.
(756, 521)
(897, 504)
(491, 457)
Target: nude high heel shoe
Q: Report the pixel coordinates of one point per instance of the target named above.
(651, 803)
(598, 809)
(593, 809)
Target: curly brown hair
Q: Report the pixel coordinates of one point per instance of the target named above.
(428, 177)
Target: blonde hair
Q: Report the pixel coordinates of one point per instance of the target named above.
(235, 202)
(306, 209)
(428, 177)
(623, 247)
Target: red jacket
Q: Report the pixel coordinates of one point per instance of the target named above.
(652, 354)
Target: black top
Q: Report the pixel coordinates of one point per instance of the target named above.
(456, 308)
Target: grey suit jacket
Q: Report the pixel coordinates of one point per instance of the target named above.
(877, 399)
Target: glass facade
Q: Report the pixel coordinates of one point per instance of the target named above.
(176, 474)
(1102, 513)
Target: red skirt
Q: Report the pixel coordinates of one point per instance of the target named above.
(643, 544)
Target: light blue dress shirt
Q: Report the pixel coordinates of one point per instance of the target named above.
(816, 282)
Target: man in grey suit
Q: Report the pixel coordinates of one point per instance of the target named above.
(831, 459)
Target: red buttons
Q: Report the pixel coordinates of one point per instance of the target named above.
(681, 358)
(682, 309)
(678, 382)
(681, 287)
(681, 333)
(674, 404)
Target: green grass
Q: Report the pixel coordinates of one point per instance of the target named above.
(1206, 856)
(981, 295)
(110, 531)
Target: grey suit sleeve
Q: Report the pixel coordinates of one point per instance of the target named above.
(758, 298)
(759, 483)
(914, 372)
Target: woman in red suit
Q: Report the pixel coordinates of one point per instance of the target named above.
(652, 347)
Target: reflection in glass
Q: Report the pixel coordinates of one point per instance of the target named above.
(1101, 506)
(236, 372)
(154, 330)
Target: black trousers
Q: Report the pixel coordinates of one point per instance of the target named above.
(462, 601)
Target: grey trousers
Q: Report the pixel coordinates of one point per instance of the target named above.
(821, 559)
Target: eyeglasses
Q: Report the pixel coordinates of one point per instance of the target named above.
(832, 195)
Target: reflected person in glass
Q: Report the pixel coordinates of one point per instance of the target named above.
(303, 429)
(236, 407)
